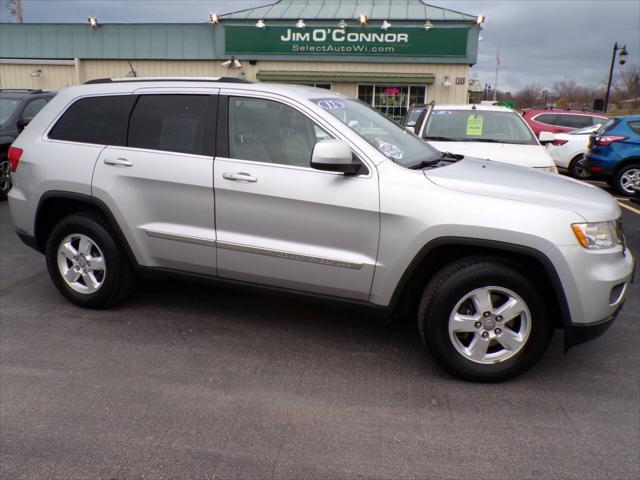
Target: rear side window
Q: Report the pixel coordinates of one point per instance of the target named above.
(33, 107)
(175, 123)
(547, 118)
(574, 121)
(100, 120)
(635, 126)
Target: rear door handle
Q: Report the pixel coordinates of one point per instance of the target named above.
(118, 162)
(239, 177)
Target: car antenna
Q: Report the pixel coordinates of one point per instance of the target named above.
(473, 107)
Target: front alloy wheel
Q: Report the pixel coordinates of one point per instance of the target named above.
(490, 325)
(484, 319)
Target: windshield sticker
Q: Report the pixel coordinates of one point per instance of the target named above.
(442, 112)
(474, 125)
(331, 104)
(389, 149)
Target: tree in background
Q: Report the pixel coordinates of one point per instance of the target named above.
(15, 10)
(529, 96)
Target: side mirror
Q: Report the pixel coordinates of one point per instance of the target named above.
(546, 137)
(23, 122)
(334, 156)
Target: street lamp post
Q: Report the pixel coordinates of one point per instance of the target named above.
(622, 60)
(545, 93)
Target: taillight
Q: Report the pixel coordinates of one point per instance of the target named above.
(559, 142)
(604, 140)
(14, 157)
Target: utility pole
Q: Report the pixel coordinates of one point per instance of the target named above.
(15, 9)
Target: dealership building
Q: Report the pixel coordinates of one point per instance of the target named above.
(390, 54)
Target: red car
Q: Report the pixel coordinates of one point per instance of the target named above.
(557, 120)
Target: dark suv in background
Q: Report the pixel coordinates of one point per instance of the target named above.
(558, 120)
(17, 108)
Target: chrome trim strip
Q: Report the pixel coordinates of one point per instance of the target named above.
(181, 238)
(288, 255)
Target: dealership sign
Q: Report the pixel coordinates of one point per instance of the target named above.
(439, 41)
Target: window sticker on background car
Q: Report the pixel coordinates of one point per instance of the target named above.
(442, 112)
(388, 149)
(474, 125)
(331, 104)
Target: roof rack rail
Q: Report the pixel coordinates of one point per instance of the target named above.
(167, 79)
(27, 90)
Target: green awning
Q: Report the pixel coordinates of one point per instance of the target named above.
(360, 77)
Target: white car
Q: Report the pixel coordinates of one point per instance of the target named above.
(485, 131)
(568, 150)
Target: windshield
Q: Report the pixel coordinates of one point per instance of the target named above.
(7, 107)
(478, 126)
(393, 141)
(413, 115)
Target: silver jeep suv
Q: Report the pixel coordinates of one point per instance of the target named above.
(304, 190)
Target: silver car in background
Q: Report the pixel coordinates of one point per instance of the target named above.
(299, 189)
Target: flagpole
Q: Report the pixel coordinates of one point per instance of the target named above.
(495, 88)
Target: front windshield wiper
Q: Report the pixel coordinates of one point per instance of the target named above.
(441, 139)
(444, 157)
(493, 140)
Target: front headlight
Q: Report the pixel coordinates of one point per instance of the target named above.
(597, 236)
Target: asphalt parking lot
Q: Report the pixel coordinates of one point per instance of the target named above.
(190, 381)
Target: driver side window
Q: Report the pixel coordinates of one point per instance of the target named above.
(271, 132)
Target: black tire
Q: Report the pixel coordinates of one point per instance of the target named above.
(119, 278)
(450, 286)
(5, 177)
(618, 178)
(577, 170)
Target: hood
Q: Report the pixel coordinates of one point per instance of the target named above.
(524, 155)
(482, 177)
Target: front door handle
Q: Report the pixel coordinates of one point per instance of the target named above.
(118, 162)
(239, 177)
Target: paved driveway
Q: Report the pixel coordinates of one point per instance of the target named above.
(190, 381)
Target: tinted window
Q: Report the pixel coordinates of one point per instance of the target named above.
(547, 118)
(101, 120)
(175, 123)
(635, 126)
(598, 120)
(573, 121)
(268, 131)
(34, 107)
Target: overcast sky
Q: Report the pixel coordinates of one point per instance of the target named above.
(541, 41)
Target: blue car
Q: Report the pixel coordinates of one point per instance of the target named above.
(614, 153)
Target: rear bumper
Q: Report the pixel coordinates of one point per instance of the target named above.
(575, 334)
(603, 166)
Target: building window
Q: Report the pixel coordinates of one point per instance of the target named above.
(392, 100)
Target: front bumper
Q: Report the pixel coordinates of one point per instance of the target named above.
(576, 333)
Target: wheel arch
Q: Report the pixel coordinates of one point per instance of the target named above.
(441, 251)
(627, 161)
(55, 205)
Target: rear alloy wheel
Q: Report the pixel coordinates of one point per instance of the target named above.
(627, 179)
(86, 263)
(483, 320)
(577, 168)
(5, 178)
